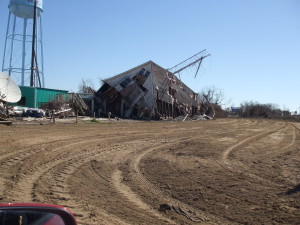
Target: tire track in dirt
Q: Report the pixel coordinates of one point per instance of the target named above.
(247, 141)
(241, 143)
(58, 169)
(296, 135)
(19, 155)
(134, 198)
(213, 218)
(46, 148)
(62, 172)
(281, 149)
(43, 161)
(241, 168)
(44, 164)
(267, 183)
(286, 173)
(128, 148)
(185, 210)
(27, 180)
(14, 163)
(54, 181)
(22, 152)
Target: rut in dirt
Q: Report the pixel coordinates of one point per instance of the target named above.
(125, 173)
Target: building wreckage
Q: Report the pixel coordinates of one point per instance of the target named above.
(149, 91)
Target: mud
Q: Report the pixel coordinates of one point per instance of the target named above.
(227, 171)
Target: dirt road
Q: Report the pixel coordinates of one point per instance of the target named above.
(227, 171)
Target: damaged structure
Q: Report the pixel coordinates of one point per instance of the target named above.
(147, 91)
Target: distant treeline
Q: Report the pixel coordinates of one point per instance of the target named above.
(255, 109)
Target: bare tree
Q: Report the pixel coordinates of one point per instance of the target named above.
(211, 95)
(212, 100)
(86, 86)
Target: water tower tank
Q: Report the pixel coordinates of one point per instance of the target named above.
(25, 8)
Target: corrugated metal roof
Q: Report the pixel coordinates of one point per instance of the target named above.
(127, 72)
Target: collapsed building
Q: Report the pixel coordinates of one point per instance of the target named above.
(147, 91)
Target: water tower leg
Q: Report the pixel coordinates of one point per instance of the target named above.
(24, 51)
(12, 46)
(42, 53)
(6, 37)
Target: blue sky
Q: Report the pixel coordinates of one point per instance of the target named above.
(254, 45)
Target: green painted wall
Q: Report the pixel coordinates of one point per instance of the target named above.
(34, 97)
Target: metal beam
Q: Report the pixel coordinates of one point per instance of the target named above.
(183, 68)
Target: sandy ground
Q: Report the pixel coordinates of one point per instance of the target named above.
(226, 171)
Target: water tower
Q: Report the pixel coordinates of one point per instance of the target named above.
(23, 50)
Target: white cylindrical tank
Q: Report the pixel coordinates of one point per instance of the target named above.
(25, 8)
